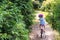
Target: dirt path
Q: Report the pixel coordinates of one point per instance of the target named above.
(35, 33)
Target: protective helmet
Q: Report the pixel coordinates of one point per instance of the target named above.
(40, 15)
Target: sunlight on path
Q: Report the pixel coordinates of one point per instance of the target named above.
(48, 32)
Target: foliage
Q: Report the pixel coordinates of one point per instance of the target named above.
(41, 0)
(26, 8)
(36, 4)
(15, 17)
(56, 14)
(55, 19)
(46, 6)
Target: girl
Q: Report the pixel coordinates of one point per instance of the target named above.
(42, 24)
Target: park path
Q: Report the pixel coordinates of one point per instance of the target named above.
(35, 32)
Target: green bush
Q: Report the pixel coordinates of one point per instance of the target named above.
(46, 7)
(56, 15)
(15, 17)
(56, 12)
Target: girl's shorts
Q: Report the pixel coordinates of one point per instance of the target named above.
(42, 25)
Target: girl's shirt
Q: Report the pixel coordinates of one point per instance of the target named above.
(42, 21)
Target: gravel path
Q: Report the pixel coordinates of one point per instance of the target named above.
(35, 33)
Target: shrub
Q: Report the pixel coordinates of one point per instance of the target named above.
(56, 15)
(15, 17)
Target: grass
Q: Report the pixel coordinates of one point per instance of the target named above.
(56, 35)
